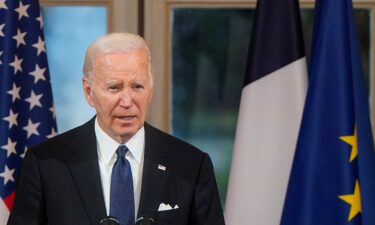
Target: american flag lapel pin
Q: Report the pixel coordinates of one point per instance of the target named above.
(161, 167)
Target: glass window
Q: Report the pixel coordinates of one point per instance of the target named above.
(68, 31)
(209, 55)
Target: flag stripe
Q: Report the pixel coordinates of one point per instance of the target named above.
(277, 40)
(261, 162)
(4, 213)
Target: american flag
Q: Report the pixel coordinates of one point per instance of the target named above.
(26, 106)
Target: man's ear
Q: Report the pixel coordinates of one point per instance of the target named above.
(151, 95)
(87, 90)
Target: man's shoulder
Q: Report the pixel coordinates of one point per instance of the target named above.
(168, 143)
(64, 141)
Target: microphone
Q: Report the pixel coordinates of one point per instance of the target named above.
(145, 220)
(109, 220)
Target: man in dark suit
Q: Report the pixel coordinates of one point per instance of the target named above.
(69, 179)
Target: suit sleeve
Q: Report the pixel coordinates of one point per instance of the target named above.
(207, 208)
(28, 207)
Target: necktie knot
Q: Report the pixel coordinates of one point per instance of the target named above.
(121, 151)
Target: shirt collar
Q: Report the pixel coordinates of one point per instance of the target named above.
(107, 146)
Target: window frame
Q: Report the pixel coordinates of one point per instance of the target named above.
(122, 15)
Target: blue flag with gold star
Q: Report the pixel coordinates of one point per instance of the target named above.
(333, 174)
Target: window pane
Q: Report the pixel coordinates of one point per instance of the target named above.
(209, 55)
(362, 18)
(68, 31)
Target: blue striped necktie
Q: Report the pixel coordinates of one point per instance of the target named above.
(122, 195)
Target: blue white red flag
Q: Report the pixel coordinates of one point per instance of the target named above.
(270, 114)
(26, 107)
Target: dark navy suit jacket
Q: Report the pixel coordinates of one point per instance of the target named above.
(60, 182)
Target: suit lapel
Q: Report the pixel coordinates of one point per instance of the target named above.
(154, 175)
(84, 168)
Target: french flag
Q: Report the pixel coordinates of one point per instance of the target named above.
(270, 113)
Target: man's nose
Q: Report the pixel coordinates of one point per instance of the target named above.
(126, 99)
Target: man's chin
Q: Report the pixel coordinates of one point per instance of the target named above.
(126, 133)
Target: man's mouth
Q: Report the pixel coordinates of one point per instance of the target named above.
(126, 118)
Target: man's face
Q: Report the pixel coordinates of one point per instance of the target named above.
(120, 91)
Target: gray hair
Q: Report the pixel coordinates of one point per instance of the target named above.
(114, 43)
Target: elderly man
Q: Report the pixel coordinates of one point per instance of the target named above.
(116, 164)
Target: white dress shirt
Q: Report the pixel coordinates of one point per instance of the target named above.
(107, 157)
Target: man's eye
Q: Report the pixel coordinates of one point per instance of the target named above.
(113, 88)
(138, 86)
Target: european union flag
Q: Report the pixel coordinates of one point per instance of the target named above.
(333, 174)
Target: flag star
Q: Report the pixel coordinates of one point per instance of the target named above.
(22, 10)
(12, 119)
(38, 73)
(354, 200)
(20, 37)
(40, 19)
(40, 46)
(15, 92)
(52, 109)
(2, 4)
(16, 64)
(1, 53)
(24, 153)
(352, 140)
(53, 133)
(34, 100)
(10, 147)
(31, 128)
(1, 29)
(7, 175)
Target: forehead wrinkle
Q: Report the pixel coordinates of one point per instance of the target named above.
(131, 57)
(133, 67)
(112, 82)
